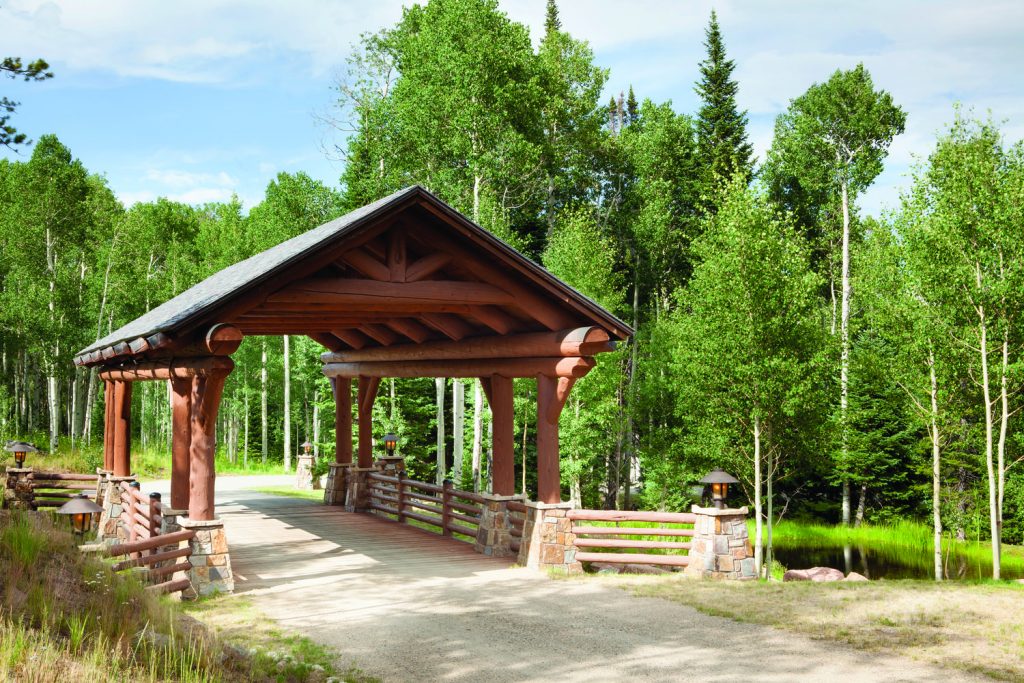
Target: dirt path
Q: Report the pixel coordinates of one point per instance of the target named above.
(407, 606)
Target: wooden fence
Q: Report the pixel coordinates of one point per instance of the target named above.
(52, 489)
(448, 509)
(158, 555)
(597, 543)
(517, 520)
(141, 515)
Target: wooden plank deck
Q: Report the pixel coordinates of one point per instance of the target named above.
(277, 541)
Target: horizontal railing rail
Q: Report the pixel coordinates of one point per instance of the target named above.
(602, 539)
(451, 511)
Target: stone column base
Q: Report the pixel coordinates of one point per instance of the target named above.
(304, 472)
(211, 561)
(110, 529)
(721, 545)
(548, 541)
(390, 465)
(493, 536)
(334, 490)
(357, 489)
(18, 489)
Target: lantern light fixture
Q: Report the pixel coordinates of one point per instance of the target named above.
(719, 481)
(20, 449)
(80, 511)
(390, 443)
(307, 447)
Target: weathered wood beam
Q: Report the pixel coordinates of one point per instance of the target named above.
(342, 387)
(503, 477)
(327, 340)
(494, 318)
(448, 325)
(364, 263)
(485, 367)
(207, 391)
(350, 291)
(181, 441)
(410, 328)
(108, 428)
(428, 265)
(367, 394)
(122, 423)
(353, 338)
(551, 395)
(396, 254)
(581, 341)
(382, 335)
(222, 339)
(178, 368)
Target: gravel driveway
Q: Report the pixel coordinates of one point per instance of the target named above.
(405, 605)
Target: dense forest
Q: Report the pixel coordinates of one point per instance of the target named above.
(844, 367)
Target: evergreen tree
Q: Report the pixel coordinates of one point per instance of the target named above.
(721, 127)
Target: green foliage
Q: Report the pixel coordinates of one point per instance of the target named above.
(13, 67)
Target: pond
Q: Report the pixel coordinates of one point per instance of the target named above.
(891, 561)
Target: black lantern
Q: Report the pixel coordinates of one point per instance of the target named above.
(80, 510)
(390, 443)
(719, 481)
(307, 447)
(20, 450)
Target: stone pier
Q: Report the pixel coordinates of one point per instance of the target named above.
(548, 541)
(721, 545)
(211, 562)
(494, 534)
(335, 489)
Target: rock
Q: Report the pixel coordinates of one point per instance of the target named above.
(605, 568)
(854, 576)
(643, 569)
(817, 574)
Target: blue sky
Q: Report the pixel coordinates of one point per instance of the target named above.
(199, 99)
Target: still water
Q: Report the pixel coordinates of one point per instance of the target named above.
(893, 563)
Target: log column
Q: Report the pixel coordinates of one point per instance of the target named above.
(207, 389)
(122, 429)
(551, 395)
(342, 387)
(498, 390)
(181, 441)
(108, 426)
(367, 394)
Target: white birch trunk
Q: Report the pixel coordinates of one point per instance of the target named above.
(263, 402)
(478, 423)
(844, 357)
(245, 439)
(758, 519)
(933, 432)
(993, 511)
(458, 427)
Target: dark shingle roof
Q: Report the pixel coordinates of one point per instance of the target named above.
(216, 289)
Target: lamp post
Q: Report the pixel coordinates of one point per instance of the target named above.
(719, 480)
(80, 511)
(307, 447)
(20, 449)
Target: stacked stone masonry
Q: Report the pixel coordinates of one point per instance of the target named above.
(721, 545)
(548, 542)
(211, 562)
(494, 533)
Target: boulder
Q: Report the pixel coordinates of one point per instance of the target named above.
(605, 568)
(813, 574)
(854, 576)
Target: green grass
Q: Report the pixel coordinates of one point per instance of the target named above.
(290, 492)
(148, 465)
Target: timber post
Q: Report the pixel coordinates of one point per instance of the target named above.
(552, 393)
(181, 440)
(122, 433)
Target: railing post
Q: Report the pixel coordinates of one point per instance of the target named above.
(446, 510)
(400, 489)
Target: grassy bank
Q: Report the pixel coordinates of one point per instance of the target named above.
(969, 626)
(148, 464)
(65, 616)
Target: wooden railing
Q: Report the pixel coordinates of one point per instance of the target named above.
(604, 538)
(140, 514)
(517, 520)
(159, 560)
(52, 489)
(450, 510)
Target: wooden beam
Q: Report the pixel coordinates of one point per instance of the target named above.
(367, 393)
(550, 401)
(181, 441)
(410, 328)
(428, 265)
(448, 325)
(222, 339)
(176, 368)
(396, 254)
(494, 318)
(562, 389)
(483, 367)
(503, 477)
(382, 335)
(533, 305)
(207, 390)
(327, 340)
(364, 263)
(342, 387)
(353, 338)
(108, 428)
(122, 455)
(583, 341)
(353, 292)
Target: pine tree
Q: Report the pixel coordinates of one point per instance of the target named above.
(721, 128)
(632, 107)
(552, 23)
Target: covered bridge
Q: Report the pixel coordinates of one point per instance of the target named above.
(403, 287)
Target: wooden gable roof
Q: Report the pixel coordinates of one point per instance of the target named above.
(407, 269)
